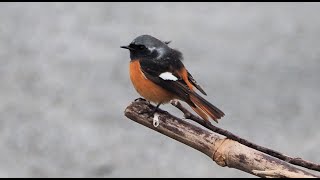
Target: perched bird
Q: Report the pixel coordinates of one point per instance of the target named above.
(158, 75)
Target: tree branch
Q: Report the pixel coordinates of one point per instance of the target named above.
(207, 124)
(225, 152)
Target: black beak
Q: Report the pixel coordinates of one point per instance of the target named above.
(127, 47)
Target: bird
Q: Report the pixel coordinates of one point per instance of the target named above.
(159, 75)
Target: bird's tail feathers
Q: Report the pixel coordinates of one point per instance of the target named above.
(204, 108)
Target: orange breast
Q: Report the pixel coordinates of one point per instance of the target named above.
(146, 88)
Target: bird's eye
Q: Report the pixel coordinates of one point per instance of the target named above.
(141, 47)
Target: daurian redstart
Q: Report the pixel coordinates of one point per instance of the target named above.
(158, 75)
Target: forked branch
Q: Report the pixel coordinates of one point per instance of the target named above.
(224, 151)
(207, 124)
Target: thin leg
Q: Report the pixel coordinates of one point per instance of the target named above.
(155, 110)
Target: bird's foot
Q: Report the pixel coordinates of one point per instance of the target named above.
(154, 110)
(139, 99)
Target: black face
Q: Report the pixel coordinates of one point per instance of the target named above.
(146, 46)
(139, 51)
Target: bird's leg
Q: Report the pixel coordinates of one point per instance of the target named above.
(155, 110)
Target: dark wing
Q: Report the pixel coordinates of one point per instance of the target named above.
(152, 71)
(194, 82)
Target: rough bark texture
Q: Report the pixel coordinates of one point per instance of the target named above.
(292, 160)
(225, 152)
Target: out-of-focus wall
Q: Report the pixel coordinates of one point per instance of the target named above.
(64, 84)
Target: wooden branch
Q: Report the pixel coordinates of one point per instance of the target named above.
(207, 124)
(225, 152)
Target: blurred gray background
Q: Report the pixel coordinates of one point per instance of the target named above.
(64, 84)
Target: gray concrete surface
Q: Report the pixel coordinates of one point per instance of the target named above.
(65, 84)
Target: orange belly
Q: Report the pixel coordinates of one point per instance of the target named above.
(146, 88)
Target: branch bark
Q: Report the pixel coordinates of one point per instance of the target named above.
(276, 154)
(225, 152)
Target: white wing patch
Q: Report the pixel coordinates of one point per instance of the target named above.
(168, 76)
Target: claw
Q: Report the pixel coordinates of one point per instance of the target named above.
(139, 99)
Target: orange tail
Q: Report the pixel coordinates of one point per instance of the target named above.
(204, 108)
